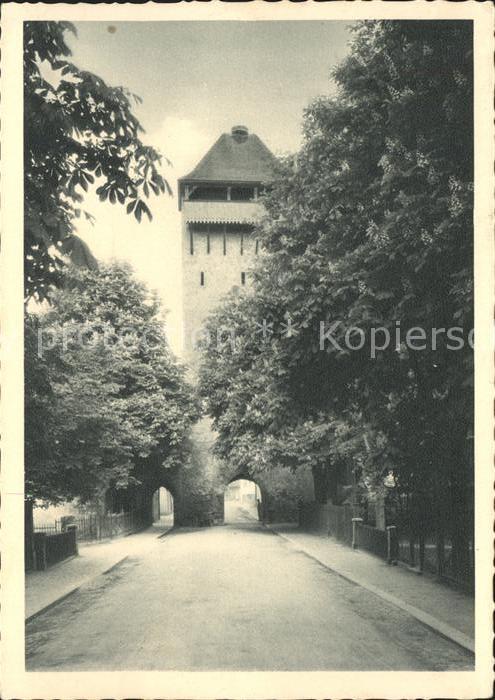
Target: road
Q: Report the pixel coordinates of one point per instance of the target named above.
(236, 597)
(237, 513)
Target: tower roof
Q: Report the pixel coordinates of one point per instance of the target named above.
(235, 157)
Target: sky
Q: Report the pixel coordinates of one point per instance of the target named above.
(197, 80)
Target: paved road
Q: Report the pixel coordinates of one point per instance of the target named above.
(237, 513)
(230, 598)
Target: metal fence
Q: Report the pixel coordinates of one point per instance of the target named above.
(444, 548)
(417, 542)
(94, 526)
(372, 539)
(49, 529)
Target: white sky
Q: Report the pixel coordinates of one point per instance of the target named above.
(198, 79)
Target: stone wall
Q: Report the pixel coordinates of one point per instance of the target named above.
(218, 251)
(283, 491)
(201, 486)
(198, 487)
(219, 272)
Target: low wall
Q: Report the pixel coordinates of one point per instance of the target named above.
(330, 519)
(338, 521)
(50, 549)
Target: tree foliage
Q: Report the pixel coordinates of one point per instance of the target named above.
(105, 398)
(79, 133)
(370, 227)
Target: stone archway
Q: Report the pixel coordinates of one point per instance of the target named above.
(198, 490)
(162, 507)
(281, 492)
(243, 501)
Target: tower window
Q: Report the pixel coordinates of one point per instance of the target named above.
(256, 247)
(191, 242)
(205, 193)
(242, 194)
(243, 278)
(202, 279)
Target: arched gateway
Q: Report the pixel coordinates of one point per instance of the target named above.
(220, 204)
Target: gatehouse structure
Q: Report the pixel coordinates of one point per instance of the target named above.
(219, 201)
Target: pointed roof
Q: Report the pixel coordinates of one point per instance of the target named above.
(235, 157)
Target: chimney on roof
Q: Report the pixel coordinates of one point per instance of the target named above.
(239, 133)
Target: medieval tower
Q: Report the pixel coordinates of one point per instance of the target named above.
(219, 205)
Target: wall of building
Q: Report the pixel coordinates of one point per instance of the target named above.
(221, 252)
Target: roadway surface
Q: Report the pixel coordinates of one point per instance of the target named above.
(236, 597)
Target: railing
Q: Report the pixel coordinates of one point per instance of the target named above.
(442, 546)
(222, 212)
(49, 529)
(427, 552)
(370, 538)
(97, 527)
(338, 521)
(413, 543)
(94, 526)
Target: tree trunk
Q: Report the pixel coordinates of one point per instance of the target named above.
(460, 530)
(462, 525)
(332, 481)
(320, 485)
(29, 559)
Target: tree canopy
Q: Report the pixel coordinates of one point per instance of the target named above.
(79, 133)
(105, 398)
(370, 228)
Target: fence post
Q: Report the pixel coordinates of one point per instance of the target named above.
(392, 544)
(29, 552)
(73, 531)
(380, 513)
(421, 540)
(355, 523)
(440, 552)
(40, 550)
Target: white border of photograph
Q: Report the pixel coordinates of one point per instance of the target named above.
(15, 681)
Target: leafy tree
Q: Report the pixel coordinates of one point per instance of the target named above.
(79, 133)
(103, 385)
(376, 231)
(243, 384)
(371, 227)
